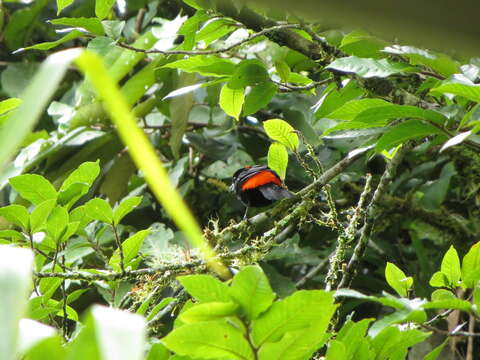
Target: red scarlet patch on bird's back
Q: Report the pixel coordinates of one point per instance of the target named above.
(262, 178)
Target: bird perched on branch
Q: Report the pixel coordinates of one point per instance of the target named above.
(258, 186)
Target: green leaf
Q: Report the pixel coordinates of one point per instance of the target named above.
(34, 188)
(440, 63)
(451, 266)
(40, 214)
(404, 131)
(51, 44)
(198, 4)
(57, 223)
(16, 214)
(231, 100)
(295, 312)
(463, 88)
(471, 266)
(92, 25)
(86, 173)
(125, 207)
(353, 334)
(281, 131)
(248, 73)
(130, 247)
(15, 281)
(259, 97)
(205, 288)
(102, 8)
(99, 209)
(250, 288)
(278, 159)
(62, 4)
(368, 68)
(397, 279)
(351, 109)
(209, 340)
(204, 65)
(208, 312)
(70, 196)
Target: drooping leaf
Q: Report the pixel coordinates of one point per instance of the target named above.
(351, 109)
(278, 159)
(204, 65)
(460, 87)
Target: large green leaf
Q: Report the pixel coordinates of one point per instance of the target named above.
(209, 340)
(393, 111)
(125, 207)
(16, 214)
(100, 209)
(451, 266)
(259, 97)
(51, 44)
(251, 289)
(295, 312)
(130, 248)
(367, 68)
(102, 8)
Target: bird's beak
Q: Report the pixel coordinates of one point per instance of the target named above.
(232, 188)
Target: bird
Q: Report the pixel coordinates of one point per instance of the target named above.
(258, 186)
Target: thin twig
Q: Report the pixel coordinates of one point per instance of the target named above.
(210, 52)
(449, 333)
(120, 248)
(313, 85)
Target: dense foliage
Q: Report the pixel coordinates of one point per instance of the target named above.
(374, 258)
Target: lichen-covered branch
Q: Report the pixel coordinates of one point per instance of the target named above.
(371, 213)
